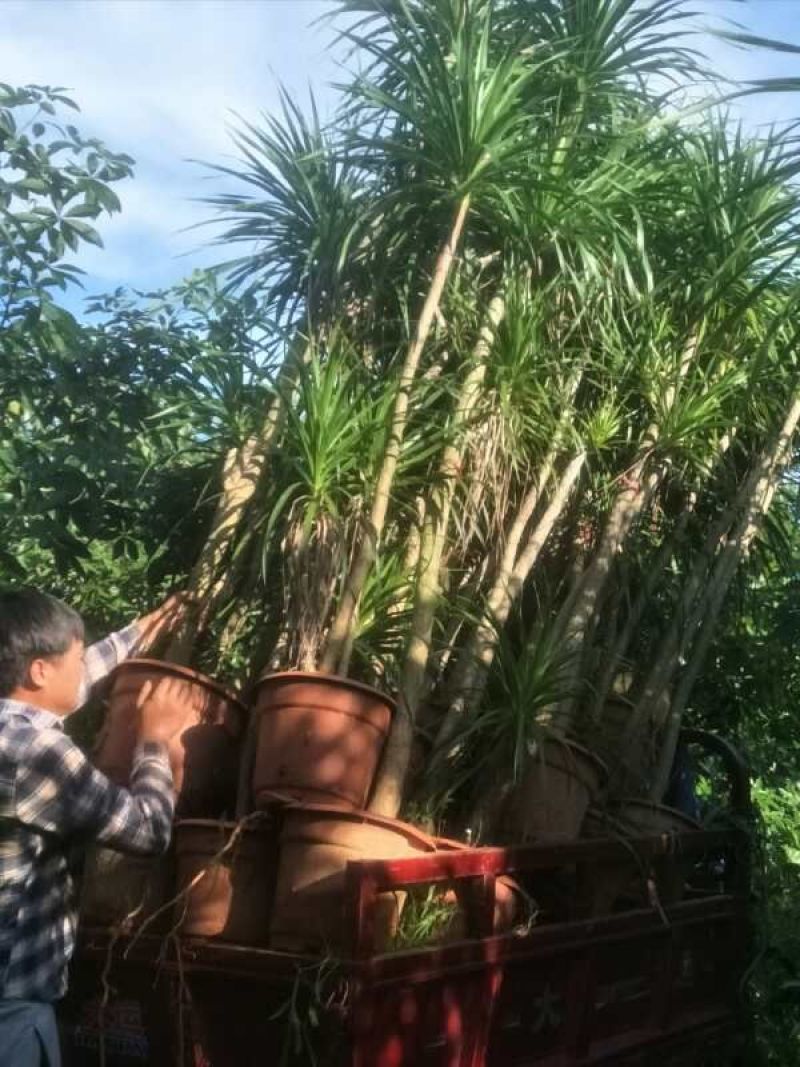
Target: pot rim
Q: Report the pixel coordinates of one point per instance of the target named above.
(325, 679)
(366, 818)
(188, 673)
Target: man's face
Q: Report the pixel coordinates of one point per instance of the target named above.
(58, 679)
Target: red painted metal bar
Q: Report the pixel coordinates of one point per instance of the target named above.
(366, 879)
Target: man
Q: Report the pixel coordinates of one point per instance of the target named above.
(52, 799)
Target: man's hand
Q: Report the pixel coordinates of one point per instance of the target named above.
(164, 708)
(166, 618)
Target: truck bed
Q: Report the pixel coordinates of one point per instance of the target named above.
(650, 983)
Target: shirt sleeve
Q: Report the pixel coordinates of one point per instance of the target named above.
(102, 657)
(59, 791)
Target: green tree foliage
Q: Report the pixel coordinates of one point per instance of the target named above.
(54, 185)
(111, 427)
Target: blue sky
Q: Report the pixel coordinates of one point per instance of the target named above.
(161, 80)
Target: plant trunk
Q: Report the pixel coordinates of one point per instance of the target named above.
(634, 616)
(578, 614)
(388, 792)
(240, 476)
(485, 636)
(689, 610)
(735, 549)
(242, 472)
(711, 606)
(339, 636)
(477, 656)
(651, 579)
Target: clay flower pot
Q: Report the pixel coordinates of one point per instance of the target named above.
(508, 908)
(559, 783)
(615, 879)
(320, 738)
(204, 756)
(316, 844)
(625, 879)
(232, 899)
(646, 818)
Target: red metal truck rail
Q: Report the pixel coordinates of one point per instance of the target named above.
(649, 983)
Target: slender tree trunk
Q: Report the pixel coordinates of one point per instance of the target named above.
(248, 573)
(486, 632)
(240, 476)
(688, 612)
(343, 621)
(389, 787)
(736, 548)
(242, 472)
(582, 603)
(478, 654)
(712, 606)
(651, 580)
(642, 481)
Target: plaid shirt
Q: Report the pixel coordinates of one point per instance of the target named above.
(52, 800)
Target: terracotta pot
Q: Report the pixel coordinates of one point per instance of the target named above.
(670, 872)
(625, 878)
(557, 787)
(316, 844)
(204, 756)
(117, 887)
(320, 738)
(232, 899)
(610, 881)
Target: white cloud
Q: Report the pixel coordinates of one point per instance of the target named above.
(150, 70)
(160, 79)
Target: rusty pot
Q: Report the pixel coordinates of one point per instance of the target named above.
(317, 842)
(509, 899)
(204, 755)
(320, 738)
(231, 899)
(559, 783)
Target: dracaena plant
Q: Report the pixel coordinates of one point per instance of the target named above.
(523, 317)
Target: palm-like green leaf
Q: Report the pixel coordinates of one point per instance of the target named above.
(304, 215)
(446, 111)
(610, 46)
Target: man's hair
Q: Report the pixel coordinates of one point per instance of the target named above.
(33, 625)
